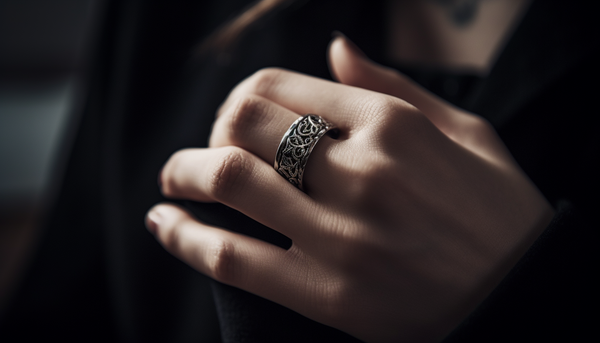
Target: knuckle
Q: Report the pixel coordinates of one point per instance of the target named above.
(221, 260)
(171, 238)
(385, 113)
(229, 174)
(245, 114)
(265, 79)
(379, 106)
(402, 124)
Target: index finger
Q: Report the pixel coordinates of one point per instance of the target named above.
(344, 105)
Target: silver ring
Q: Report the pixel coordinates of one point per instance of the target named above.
(297, 144)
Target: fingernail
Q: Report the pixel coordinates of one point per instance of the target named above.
(355, 49)
(153, 220)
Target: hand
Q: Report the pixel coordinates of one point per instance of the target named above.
(410, 218)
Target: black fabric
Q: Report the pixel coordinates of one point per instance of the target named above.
(100, 276)
(548, 296)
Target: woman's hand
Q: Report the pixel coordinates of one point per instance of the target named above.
(410, 218)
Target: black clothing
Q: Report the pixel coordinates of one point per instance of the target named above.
(99, 275)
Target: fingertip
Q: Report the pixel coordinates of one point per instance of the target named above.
(342, 40)
(159, 217)
(335, 55)
(332, 49)
(345, 59)
(152, 221)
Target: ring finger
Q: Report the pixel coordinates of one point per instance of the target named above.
(257, 125)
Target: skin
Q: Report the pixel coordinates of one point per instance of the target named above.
(424, 33)
(410, 218)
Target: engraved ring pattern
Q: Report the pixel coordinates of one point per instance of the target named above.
(297, 144)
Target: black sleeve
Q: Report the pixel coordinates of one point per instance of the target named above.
(550, 294)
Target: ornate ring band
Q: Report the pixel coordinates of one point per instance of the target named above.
(297, 144)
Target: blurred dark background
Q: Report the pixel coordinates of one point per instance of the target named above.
(42, 54)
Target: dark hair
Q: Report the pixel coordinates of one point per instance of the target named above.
(224, 38)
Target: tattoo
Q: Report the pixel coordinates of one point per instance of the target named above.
(461, 12)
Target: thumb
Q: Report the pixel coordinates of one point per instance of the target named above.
(350, 66)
